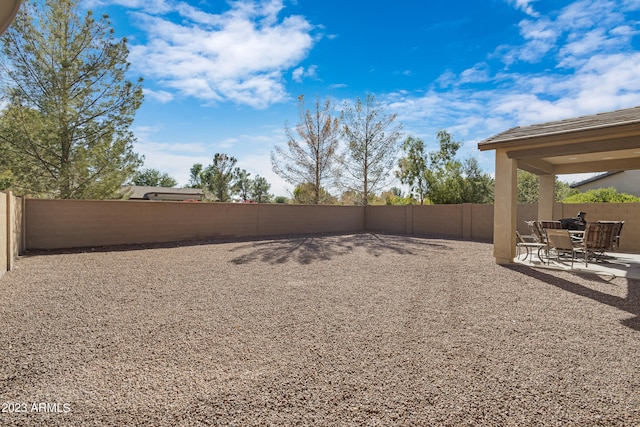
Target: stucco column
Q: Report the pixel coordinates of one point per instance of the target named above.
(546, 197)
(505, 208)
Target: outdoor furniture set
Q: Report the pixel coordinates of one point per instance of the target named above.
(551, 240)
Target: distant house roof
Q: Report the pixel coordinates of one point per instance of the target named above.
(594, 179)
(559, 127)
(137, 192)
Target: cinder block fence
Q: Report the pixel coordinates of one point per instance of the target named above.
(57, 224)
(11, 230)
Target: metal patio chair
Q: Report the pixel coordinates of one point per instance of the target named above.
(617, 230)
(597, 239)
(531, 244)
(559, 242)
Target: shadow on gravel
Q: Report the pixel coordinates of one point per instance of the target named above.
(309, 249)
(311, 245)
(630, 304)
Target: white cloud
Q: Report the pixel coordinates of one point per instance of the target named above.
(154, 6)
(260, 164)
(476, 74)
(238, 56)
(575, 33)
(541, 36)
(300, 73)
(161, 96)
(524, 5)
(297, 74)
(589, 66)
(177, 158)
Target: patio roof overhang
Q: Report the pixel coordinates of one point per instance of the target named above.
(8, 11)
(596, 143)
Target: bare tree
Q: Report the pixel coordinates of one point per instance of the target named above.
(372, 139)
(311, 159)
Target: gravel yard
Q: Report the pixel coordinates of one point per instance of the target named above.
(341, 330)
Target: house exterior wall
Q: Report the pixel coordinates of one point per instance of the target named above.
(624, 182)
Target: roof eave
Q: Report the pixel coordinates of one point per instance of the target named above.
(629, 128)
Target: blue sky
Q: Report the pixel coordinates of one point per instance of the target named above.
(224, 76)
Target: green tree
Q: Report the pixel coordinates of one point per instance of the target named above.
(564, 190)
(6, 179)
(529, 188)
(444, 175)
(242, 184)
(305, 194)
(372, 145)
(602, 195)
(393, 197)
(477, 186)
(350, 197)
(196, 176)
(281, 199)
(439, 177)
(312, 159)
(64, 131)
(218, 176)
(154, 178)
(260, 190)
(412, 168)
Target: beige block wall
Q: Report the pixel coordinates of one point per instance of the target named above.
(482, 222)
(78, 223)
(389, 219)
(4, 238)
(444, 220)
(15, 231)
(627, 212)
(53, 224)
(276, 219)
(526, 212)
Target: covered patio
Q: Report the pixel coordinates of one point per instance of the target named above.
(596, 143)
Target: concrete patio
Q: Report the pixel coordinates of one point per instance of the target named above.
(613, 264)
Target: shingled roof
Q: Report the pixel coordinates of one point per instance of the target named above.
(573, 125)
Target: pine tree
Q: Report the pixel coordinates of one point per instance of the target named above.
(65, 129)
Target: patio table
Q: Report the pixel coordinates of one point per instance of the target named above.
(577, 235)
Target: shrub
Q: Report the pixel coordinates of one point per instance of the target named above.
(602, 195)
